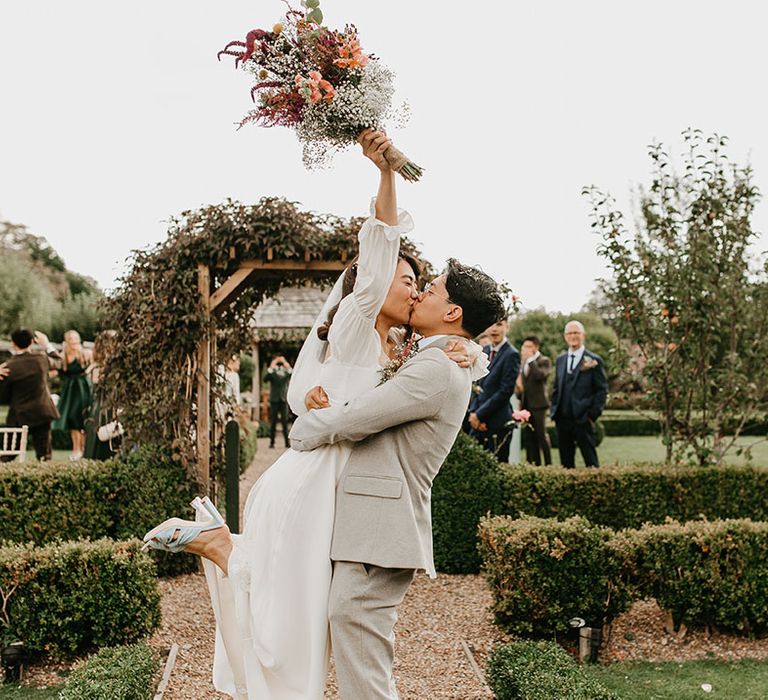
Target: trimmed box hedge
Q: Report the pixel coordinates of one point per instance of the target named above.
(67, 598)
(707, 574)
(544, 572)
(622, 497)
(541, 671)
(468, 486)
(472, 483)
(117, 673)
(120, 498)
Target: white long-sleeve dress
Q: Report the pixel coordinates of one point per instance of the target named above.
(272, 640)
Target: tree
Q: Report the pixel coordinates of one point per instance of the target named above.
(691, 296)
(25, 300)
(38, 291)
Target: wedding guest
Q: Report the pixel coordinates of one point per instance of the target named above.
(75, 402)
(232, 379)
(578, 398)
(531, 387)
(100, 415)
(483, 340)
(278, 375)
(489, 408)
(24, 387)
(227, 409)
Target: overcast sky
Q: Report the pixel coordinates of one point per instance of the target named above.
(115, 117)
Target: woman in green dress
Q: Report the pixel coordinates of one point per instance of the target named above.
(75, 400)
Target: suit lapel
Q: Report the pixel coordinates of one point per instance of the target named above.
(577, 368)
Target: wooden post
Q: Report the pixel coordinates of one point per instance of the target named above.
(204, 383)
(256, 384)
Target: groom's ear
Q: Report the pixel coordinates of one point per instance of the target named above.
(454, 314)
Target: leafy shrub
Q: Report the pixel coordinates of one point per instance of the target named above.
(248, 445)
(67, 598)
(622, 497)
(540, 671)
(468, 486)
(630, 424)
(545, 572)
(705, 573)
(117, 673)
(120, 499)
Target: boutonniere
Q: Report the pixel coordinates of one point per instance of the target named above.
(588, 363)
(403, 353)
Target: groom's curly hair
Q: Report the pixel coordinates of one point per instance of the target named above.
(478, 295)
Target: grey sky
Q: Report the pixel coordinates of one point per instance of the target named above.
(115, 117)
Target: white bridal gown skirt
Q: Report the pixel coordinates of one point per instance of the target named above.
(272, 639)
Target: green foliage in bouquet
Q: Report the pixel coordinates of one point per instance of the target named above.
(117, 673)
(691, 296)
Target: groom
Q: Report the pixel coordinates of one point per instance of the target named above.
(404, 430)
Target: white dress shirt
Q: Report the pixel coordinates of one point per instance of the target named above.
(577, 355)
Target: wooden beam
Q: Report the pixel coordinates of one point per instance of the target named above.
(204, 382)
(295, 265)
(229, 289)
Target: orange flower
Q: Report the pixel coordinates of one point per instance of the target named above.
(352, 55)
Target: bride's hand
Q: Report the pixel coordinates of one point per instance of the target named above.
(374, 144)
(457, 351)
(316, 398)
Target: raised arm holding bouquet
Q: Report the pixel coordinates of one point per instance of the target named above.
(319, 82)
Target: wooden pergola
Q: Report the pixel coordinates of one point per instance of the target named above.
(213, 301)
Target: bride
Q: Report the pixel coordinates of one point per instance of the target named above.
(269, 586)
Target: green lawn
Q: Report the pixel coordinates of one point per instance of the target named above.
(743, 680)
(627, 450)
(20, 692)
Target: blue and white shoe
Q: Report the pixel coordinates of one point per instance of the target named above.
(174, 534)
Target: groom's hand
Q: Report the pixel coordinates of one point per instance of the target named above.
(316, 398)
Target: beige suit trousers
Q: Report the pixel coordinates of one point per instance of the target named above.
(363, 612)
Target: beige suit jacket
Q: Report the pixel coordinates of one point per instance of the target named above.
(403, 431)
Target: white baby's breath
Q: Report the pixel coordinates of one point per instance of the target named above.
(332, 126)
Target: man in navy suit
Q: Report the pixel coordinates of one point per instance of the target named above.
(489, 409)
(578, 398)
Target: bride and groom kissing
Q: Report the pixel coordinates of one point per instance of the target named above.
(336, 529)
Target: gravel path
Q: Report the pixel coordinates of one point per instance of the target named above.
(435, 618)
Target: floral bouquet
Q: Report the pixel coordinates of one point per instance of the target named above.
(319, 82)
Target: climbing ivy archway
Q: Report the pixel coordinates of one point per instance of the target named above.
(194, 294)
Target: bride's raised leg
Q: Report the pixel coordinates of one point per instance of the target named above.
(208, 537)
